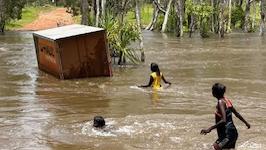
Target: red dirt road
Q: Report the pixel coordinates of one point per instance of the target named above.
(55, 18)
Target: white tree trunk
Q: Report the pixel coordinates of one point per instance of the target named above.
(254, 15)
(138, 21)
(213, 20)
(166, 16)
(103, 8)
(229, 16)
(97, 13)
(154, 16)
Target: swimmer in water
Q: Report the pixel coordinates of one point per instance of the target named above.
(98, 122)
(226, 130)
(155, 78)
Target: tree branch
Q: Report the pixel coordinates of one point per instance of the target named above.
(159, 6)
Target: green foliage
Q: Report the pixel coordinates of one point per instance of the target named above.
(171, 25)
(120, 36)
(238, 17)
(10, 9)
(146, 14)
(203, 13)
(159, 22)
(118, 7)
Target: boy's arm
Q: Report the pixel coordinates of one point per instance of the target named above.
(240, 117)
(149, 84)
(222, 121)
(165, 80)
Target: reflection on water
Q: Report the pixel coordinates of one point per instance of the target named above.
(39, 111)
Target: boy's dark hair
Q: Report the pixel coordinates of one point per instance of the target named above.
(155, 68)
(98, 122)
(218, 90)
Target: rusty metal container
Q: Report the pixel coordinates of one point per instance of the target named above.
(73, 51)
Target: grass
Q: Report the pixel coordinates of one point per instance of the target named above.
(29, 14)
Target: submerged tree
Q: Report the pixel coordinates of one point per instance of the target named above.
(138, 21)
(120, 37)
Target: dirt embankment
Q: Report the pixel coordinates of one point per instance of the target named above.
(54, 18)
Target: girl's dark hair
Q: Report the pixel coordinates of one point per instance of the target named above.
(98, 122)
(155, 68)
(218, 90)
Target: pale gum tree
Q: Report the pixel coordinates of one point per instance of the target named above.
(166, 16)
(229, 16)
(157, 9)
(103, 4)
(97, 17)
(179, 9)
(138, 21)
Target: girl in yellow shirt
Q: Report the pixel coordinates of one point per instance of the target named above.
(155, 78)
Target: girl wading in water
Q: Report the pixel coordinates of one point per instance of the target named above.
(226, 130)
(155, 78)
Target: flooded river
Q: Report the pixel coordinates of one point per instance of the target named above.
(37, 111)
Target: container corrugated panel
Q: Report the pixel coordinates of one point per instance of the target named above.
(74, 51)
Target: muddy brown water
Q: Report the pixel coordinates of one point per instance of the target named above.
(37, 111)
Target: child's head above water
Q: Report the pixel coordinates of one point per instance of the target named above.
(218, 90)
(98, 122)
(154, 67)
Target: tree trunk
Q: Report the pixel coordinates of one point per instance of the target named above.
(166, 16)
(2, 26)
(84, 12)
(240, 2)
(229, 16)
(191, 25)
(2, 15)
(154, 17)
(247, 18)
(138, 21)
(97, 19)
(103, 8)
(216, 16)
(181, 15)
(123, 10)
(212, 18)
(222, 19)
(93, 12)
(262, 16)
(177, 20)
(254, 16)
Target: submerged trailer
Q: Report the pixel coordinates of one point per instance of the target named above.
(73, 51)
